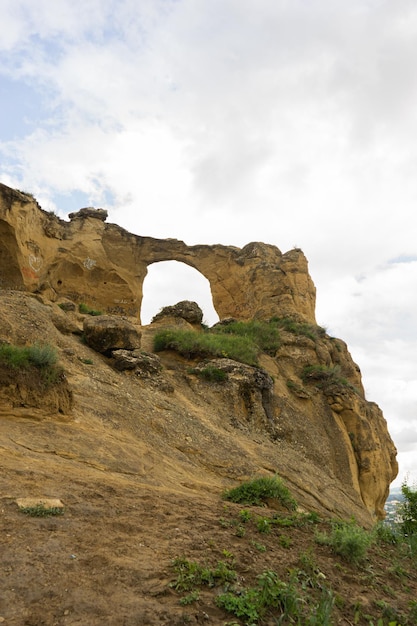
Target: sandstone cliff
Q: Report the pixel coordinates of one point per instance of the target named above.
(104, 266)
(302, 413)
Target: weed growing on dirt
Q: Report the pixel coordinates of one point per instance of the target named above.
(245, 515)
(258, 546)
(191, 574)
(263, 524)
(272, 596)
(258, 490)
(191, 597)
(348, 540)
(252, 604)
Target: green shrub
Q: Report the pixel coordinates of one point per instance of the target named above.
(259, 490)
(192, 344)
(37, 359)
(263, 334)
(263, 524)
(348, 540)
(408, 511)
(191, 574)
(212, 374)
(254, 603)
(193, 596)
(86, 310)
(38, 355)
(42, 355)
(299, 328)
(14, 356)
(323, 375)
(384, 533)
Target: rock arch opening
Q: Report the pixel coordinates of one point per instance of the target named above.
(169, 282)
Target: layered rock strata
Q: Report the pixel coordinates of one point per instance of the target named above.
(104, 266)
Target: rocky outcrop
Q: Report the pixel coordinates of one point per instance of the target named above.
(188, 311)
(301, 413)
(104, 266)
(106, 333)
(342, 431)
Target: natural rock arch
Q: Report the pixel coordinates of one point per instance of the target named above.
(103, 265)
(168, 282)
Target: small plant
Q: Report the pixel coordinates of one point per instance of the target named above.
(323, 375)
(191, 597)
(245, 515)
(86, 310)
(240, 531)
(413, 610)
(259, 490)
(285, 541)
(384, 533)
(39, 510)
(26, 193)
(263, 524)
(224, 523)
(258, 546)
(228, 555)
(321, 615)
(191, 574)
(348, 540)
(254, 603)
(212, 374)
(299, 328)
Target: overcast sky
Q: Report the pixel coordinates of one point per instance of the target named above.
(292, 122)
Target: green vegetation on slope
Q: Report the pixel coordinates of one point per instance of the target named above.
(39, 358)
(313, 590)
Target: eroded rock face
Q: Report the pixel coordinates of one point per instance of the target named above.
(104, 266)
(328, 423)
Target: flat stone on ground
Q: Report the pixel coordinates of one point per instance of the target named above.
(47, 503)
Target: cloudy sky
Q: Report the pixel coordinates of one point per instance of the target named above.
(292, 122)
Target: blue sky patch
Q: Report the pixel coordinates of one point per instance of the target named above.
(21, 109)
(404, 258)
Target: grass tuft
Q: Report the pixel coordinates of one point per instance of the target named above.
(192, 344)
(259, 490)
(86, 310)
(348, 540)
